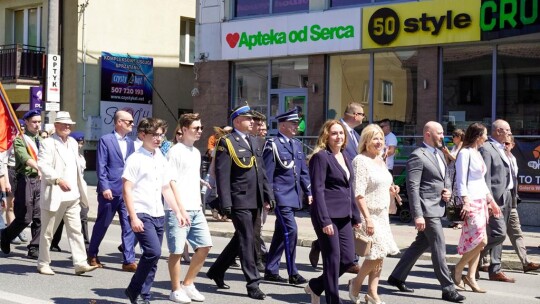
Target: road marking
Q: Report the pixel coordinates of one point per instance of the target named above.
(15, 298)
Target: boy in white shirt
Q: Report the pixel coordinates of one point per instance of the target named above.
(146, 178)
(185, 163)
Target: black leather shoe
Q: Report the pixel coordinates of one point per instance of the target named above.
(135, 299)
(297, 279)
(218, 280)
(33, 252)
(399, 284)
(121, 248)
(55, 248)
(260, 267)
(4, 242)
(453, 296)
(274, 278)
(314, 254)
(256, 294)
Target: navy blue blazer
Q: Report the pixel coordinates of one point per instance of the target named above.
(333, 195)
(286, 183)
(110, 163)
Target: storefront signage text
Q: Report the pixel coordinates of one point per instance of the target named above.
(420, 23)
(316, 33)
(320, 32)
(506, 18)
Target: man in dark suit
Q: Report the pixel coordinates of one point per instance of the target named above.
(427, 188)
(352, 118)
(112, 151)
(243, 189)
(287, 172)
(503, 188)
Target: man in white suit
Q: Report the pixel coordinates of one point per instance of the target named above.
(63, 193)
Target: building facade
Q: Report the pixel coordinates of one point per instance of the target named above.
(455, 62)
(162, 35)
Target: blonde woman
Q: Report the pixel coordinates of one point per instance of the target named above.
(373, 191)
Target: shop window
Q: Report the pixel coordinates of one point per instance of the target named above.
(518, 86)
(289, 73)
(251, 84)
(338, 3)
(27, 26)
(467, 83)
(187, 40)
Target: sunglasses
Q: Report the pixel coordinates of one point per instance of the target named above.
(129, 122)
(507, 143)
(179, 133)
(198, 128)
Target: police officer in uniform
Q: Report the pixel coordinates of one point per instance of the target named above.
(288, 175)
(244, 191)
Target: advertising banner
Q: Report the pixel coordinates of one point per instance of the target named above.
(527, 154)
(310, 33)
(421, 23)
(53, 78)
(36, 97)
(126, 78)
(507, 18)
(109, 108)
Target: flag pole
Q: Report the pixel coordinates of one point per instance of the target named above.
(10, 109)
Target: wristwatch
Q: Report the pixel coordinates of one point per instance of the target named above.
(57, 181)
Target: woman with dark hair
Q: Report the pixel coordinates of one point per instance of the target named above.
(478, 203)
(333, 211)
(457, 140)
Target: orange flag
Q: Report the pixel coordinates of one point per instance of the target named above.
(9, 125)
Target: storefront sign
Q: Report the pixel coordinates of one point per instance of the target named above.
(328, 32)
(528, 160)
(36, 97)
(507, 18)
(53, 78)
(137, 110)
(126, 78)
(421, 23)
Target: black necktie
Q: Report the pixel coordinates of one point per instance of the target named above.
(37, 142)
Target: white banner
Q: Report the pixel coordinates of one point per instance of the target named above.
(53, 78)
(109, 108)
(298, 34)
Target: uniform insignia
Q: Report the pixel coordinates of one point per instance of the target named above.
(220, 148)
(241, 150)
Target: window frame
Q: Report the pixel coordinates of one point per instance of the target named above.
(187, 23)
(26, 19)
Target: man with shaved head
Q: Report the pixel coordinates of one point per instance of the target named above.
(112, 151)
(427, 188)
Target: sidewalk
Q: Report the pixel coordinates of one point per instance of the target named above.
(404, 235)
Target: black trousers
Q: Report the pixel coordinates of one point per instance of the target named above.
(241, 244)
(26, 209)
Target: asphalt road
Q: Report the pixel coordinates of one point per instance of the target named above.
(20, 282)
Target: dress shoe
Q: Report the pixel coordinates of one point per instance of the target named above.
(218, 280)
(235, 264)
(33, 252)
(274, 278)
(256, 294)
(45, 270)
(94, 261)
(297, 279)
(399, 284)
(314, 254)
(531, 267)
(55, 248)
(354, 269)
(135, 299)
(80, 269)
(472, 285)
(370, 300)
(4, 242)
(352, 297)
(120, 248)
(453, 296)
(501, 277)
(131, 267)
(315, 299)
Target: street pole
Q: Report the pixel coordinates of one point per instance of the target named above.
(52, 46)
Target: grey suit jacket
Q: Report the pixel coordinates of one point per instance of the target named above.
(498, 171)
(425, 183)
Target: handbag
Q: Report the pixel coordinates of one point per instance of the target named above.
(362, 243)
(455, 205)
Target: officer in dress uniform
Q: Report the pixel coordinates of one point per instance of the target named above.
(244, 191)
(288, 175)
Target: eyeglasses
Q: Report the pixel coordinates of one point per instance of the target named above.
(156, 135)
(129, 122)
(507, 143)
(360, 114)
(198, 128)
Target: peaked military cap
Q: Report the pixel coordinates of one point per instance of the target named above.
(292, 115)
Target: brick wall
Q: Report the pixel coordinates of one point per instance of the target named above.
(427, 99)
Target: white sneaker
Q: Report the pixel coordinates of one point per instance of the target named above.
(193, 293)
(179, 296)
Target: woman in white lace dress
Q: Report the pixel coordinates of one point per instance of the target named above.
(373, 190)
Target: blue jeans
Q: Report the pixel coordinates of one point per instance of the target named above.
(150, 241)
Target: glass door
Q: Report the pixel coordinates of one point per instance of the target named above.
(285, 100)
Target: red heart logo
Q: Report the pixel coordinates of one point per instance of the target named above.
(232, 39)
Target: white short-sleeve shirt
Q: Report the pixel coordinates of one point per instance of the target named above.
(390, 140)
(148, 172)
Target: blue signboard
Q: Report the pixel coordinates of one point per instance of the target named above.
(126, 78)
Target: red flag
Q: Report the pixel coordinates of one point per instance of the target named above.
(9, 125)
